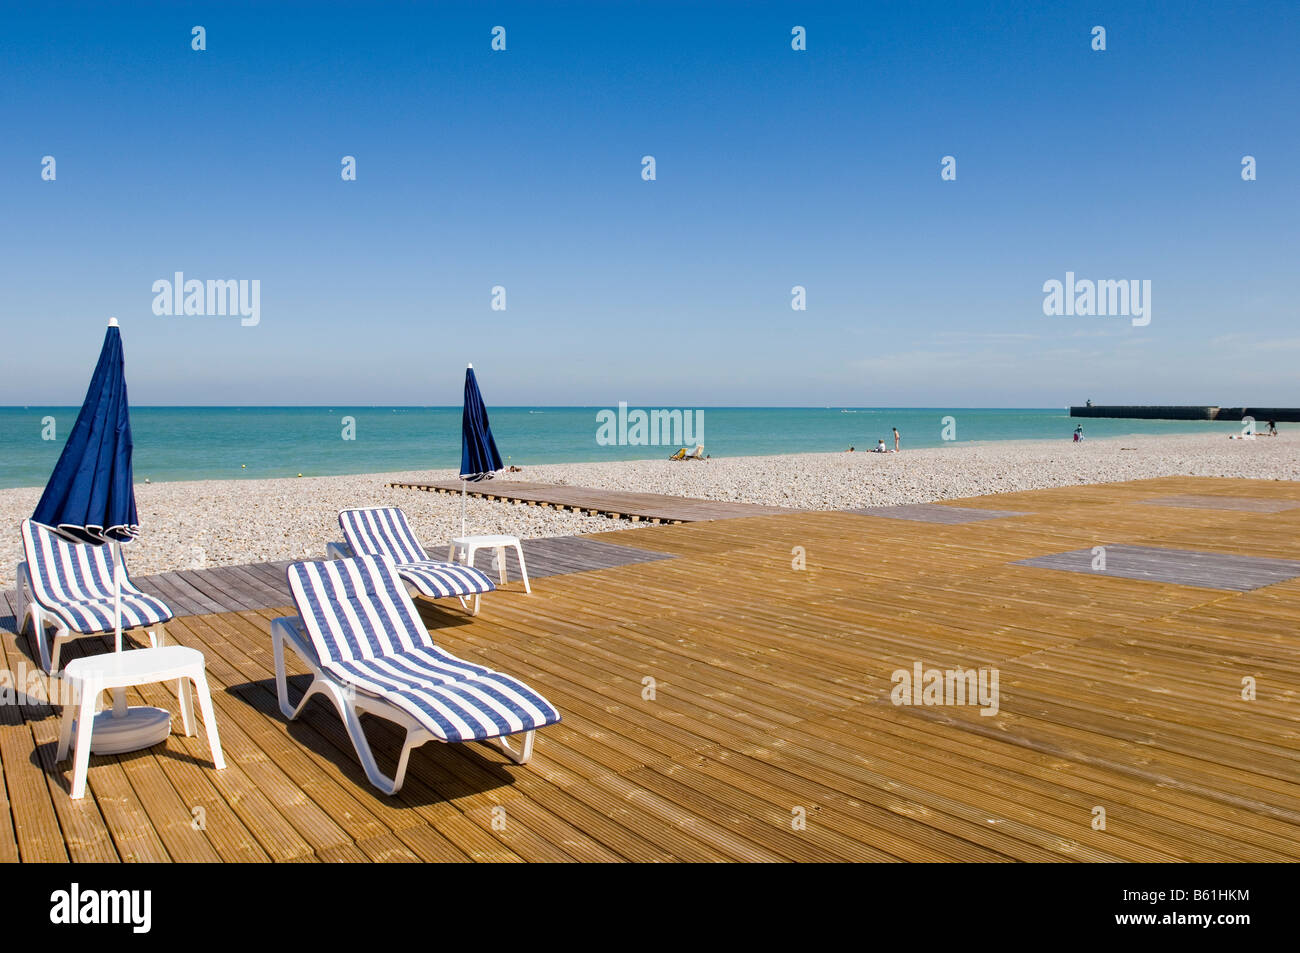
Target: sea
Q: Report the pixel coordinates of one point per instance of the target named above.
(221, 443)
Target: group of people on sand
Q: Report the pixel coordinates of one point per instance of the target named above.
(1252, 433)
(880, 445)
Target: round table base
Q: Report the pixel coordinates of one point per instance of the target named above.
(140, 727)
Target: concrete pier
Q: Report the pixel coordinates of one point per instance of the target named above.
(1226, 414)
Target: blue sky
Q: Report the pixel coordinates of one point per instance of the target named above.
(775, 168)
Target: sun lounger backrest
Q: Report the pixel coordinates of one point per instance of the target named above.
(381, 531)
(63, 571)
(356, 608)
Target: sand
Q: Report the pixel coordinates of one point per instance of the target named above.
(190, 525)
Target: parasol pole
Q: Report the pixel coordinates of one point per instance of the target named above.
(462, 490)
(119, 695)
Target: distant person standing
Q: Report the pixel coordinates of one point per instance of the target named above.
(1078, 433)
(1272, 429)
(895, 440)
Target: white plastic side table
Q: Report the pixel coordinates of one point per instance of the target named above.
(89, 677)
(466, 546)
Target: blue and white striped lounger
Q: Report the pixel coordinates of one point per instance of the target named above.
(361, 637)
(70, 585)
(384, 531)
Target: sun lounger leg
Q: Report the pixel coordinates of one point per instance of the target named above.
(281, 682)
(347, 711)
(31, 609)
(50, 657)
(521, 756)
(352, 721)
(281, 685)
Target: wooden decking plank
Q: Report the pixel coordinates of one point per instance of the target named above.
(1170, 815)
(344, 853)
(177, 598)
(31, 822)
(212, 584)
(181, 595)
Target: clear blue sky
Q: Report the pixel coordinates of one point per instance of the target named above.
(775, 168)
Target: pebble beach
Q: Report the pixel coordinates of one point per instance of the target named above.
(194, 524)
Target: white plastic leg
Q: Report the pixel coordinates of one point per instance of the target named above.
(187, 706)
(501, 565)
(65, 728)
(42, 646)
(209, 720)
(523, 568)
(51, 655)
(521, 756)
(352, 722)
(281, 685)
(85, 723)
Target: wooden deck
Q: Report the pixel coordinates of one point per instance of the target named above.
(770, 734)
(617, 504)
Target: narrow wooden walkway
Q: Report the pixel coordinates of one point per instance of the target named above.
(735, 703)
(651, 507)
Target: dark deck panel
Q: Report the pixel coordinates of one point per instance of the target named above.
(1180, 566)
(264, 585)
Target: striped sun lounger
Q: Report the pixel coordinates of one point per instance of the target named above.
(361, 637)
(384, 531)
(70, 585)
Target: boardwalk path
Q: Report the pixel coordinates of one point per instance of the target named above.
(651, 507)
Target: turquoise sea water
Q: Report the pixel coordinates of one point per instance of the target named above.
(200, 443)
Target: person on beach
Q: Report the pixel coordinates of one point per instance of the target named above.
(895, 440)
(1078, 433)
(1272, 429)
(881, 448)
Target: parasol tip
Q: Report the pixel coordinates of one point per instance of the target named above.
(112, 322)
(469, 366)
